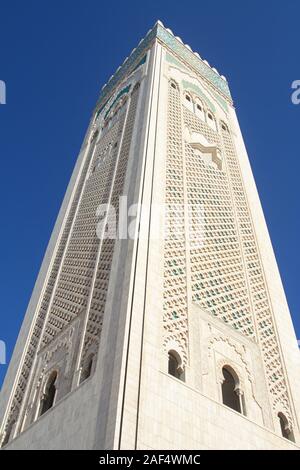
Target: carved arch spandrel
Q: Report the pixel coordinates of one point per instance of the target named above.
(239, 349)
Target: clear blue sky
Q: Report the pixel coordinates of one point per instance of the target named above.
(54, 58)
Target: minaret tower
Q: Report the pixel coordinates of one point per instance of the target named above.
(179, 338)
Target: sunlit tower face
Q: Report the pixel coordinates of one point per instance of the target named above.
(181, 340)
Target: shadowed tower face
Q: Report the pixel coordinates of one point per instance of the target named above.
(158, 319)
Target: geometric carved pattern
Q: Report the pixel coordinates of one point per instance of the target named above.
(100, 288)
(39, 322)
(261, 303)
(225, 270)
(217, 270)
(74, 283)
(175, 319)
(173, 44)
(238, 350)
(75, 262)
(194, 62)
(226, 273)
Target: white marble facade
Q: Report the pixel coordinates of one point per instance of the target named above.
(108, 317)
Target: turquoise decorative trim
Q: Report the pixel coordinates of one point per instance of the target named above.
(130, 64)
(221, 102)
(121, 93)
(188, 85)
(177, 63)
(182, 51)
(174, 61)
(179, 49)
(141, 62)
(101, 109)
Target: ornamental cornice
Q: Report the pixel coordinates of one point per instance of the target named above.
(177, 47)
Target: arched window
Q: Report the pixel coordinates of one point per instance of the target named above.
(87, 369)
(230, 394)
(224, 126)
(174, 85)
(136, 87)
(188, 102)
(199, 110)
(211, 121)
(174, 365)
(285, 430)
(49, 395)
